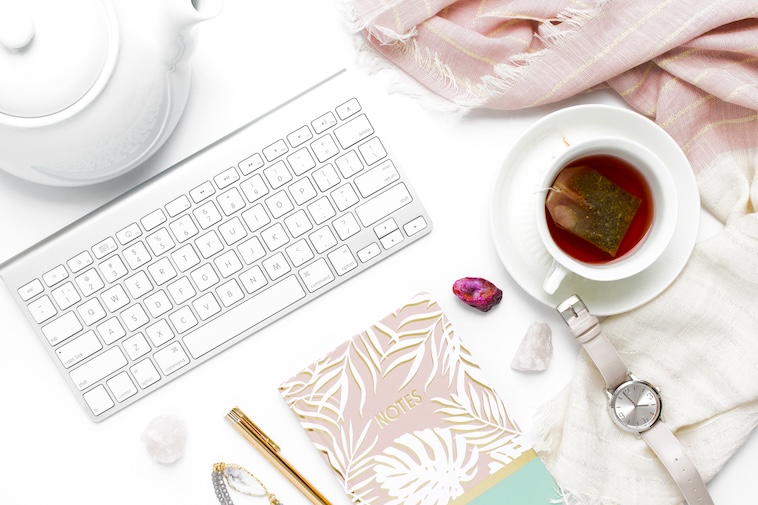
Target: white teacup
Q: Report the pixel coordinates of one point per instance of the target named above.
(652, 244)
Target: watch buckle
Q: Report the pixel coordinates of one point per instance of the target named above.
(571, 307)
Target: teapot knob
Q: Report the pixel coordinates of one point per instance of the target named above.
(16, 27)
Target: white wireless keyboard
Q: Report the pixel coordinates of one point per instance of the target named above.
(199, 257)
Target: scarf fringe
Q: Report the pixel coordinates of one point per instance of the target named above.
(463, 94)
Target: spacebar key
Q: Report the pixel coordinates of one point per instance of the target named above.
(244, 316)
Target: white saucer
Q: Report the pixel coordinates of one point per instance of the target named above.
(513, 221)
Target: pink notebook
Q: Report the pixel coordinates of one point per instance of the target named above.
(403, 415)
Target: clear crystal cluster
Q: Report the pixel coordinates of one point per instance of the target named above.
(535, 351)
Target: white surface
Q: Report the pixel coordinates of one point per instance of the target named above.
(52, 454)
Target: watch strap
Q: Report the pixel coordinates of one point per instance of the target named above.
(668, 449)
(588, 332)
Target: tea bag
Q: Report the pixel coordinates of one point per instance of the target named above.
(591, 206)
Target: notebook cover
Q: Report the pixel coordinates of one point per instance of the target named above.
(403, 415)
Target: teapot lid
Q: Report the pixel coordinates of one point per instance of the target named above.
(54, 54)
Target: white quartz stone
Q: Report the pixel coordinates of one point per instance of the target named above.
(536, 349)
(165, 437)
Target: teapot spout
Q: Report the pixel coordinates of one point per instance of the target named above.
(195, 11)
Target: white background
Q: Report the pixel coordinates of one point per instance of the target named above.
(247, 60)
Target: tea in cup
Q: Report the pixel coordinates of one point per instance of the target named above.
(606, 210)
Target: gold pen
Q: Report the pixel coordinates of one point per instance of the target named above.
(270, 451)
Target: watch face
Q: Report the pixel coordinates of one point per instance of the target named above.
(635, 405)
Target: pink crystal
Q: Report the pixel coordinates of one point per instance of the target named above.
(477, 292)
(536, 349)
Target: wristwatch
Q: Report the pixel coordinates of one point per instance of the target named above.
(633, 404)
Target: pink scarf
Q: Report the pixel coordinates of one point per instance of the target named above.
(690, 65)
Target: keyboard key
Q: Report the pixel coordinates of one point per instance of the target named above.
(231, 201)
(256, 217)
(62, 328)
(369, 252)
(348, 108)
(354, 131)
(228, 264)
(349, 164)
(66, 296)
(171, 359)
(145, 373)
(316, 275)
(276, 266)
(161, 271)
(115, 298)
(209, 244)
(326, 177)
(138, 285)
(30, 290)
(98, 368)
(183, 228)
(89, 282)
(277, 175)
(376, 179)
(128, 234)
(111, 330)
(385, 227)
(414, 226)
(346, 226)
(301, 161)
(232, 231)
(279, 204)
(42, 309)
(98, 400)
(201, 192)
(136, 346)
(344, 197)
(299, 253)
(159, 333)
(104, 248)
(204, 277)
(298, 223)
(321, 210)
(253, 279)
(391, 240)
(324, 122)
(207, 215)
(244, 316)
(322, 239)
(251, 250)
(383, 204)
(299, 136)
(79, 349)
(275, 237)
(185, 257)
(177, 206)
(275, 150)
(112, 269)
(134, 317)
(158, 304)
(254, 188)
(324, 148)
(183, 319)
(121, 386)
(79, 262)
(181, 290)
(226, 178)
(55, 276)
(302, 191)
(136, 255)
(206, 306)
(342, 260)
(229, 293)
(250, 164)
(160, 242)
(372, 151)
(153, 220)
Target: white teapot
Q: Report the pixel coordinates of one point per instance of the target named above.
(89, 89)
